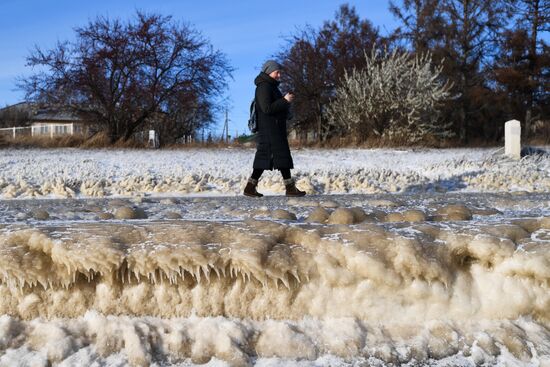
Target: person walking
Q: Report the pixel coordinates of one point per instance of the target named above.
(272, 150)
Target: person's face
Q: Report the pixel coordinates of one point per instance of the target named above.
(276, 74)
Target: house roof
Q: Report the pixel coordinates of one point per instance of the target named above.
(21, 106)
(64, 116)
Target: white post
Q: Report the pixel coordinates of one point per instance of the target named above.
(153, 139)
(51, 131)
(14, 132)
(512, 139)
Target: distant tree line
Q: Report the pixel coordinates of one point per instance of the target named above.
(147, 72)
(462, 67)
(452, 69)
(11, 116)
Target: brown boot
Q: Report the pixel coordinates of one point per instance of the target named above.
(291, 189)
(250, 189)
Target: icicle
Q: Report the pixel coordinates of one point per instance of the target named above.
(284, 279)
(296, 276)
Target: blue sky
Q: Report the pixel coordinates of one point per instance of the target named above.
(248, 32)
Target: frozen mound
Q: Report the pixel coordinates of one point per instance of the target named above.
(266, 270)
(340, 209)
(96, 173)
(258, 291)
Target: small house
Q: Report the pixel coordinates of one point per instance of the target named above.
(57, 123)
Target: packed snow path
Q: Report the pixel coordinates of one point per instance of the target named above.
(105, 173)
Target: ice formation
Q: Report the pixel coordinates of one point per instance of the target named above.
(262, 269)
(224, 171)
(242, 290)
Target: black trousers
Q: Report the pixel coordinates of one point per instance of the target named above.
(256, 173)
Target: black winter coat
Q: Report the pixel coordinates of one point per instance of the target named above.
(272, 149)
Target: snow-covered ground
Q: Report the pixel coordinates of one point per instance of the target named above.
(98, 173)
(428, 257)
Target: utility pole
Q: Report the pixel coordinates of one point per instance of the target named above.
(226, 127)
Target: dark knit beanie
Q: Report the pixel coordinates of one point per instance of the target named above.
(270, 66)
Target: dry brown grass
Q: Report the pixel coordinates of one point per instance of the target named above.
(212, 144)
(540, 134)
(195, 144)
(42, 142)
(539, 141)
(97, 141)
(375, 143)
(101, 141)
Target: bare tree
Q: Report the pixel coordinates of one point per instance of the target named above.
(307, 75)
(315, 60)
(421, 23)
(394, 96)
(124, 74)
(523, 65)
(16, 115)
(471, 33)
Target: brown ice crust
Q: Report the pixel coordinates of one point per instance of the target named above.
(278, 270)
